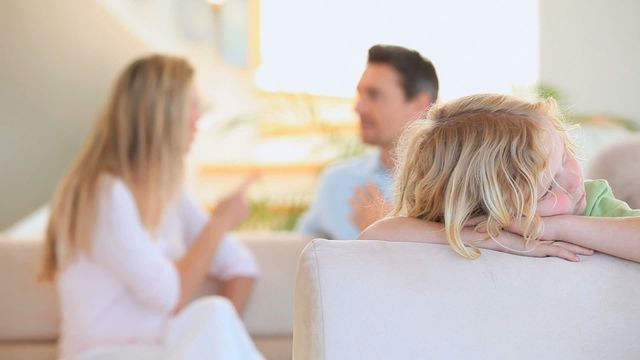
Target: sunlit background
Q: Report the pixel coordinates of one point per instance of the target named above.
(278, 78)
(489, 46)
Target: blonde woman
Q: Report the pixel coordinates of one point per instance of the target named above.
(496, 172)
(128, 248)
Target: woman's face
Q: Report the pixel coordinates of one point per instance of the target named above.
(562, 186)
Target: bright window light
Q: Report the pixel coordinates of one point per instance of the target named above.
(319, 47)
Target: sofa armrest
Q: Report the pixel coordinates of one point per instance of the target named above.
(383, 300)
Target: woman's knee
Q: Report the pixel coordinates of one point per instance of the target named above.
(212, 305)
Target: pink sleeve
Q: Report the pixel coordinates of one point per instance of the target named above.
(233, 258)
(123, 246)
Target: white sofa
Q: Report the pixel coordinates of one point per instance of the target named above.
(29, 311)
(382, 300)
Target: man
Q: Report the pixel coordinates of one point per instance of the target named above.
(397, 87)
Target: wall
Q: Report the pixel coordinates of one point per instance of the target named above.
(476, 46)
(58, 61)
(589, 50)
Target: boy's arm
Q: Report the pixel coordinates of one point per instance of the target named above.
(617, 236)
(414, 230)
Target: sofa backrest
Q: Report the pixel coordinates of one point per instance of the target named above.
(29, 310)
(384, 300)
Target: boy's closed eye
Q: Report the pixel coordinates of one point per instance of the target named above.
(546, 194)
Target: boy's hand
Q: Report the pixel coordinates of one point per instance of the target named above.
(514, 243)
(549, 231)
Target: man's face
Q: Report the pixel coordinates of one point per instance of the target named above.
(382, 107)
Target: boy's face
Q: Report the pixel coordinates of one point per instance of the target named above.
(562, 184)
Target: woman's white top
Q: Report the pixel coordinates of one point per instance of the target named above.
(124, 291)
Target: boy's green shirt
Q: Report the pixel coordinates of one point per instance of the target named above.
(602, 203)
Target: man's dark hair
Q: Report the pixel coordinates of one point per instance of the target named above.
(416, 72)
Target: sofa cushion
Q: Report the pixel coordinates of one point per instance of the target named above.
(384, 300)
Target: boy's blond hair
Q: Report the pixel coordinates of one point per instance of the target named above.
(141, 137)
(478, 155)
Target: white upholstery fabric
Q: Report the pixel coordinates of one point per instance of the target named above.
(384, 300)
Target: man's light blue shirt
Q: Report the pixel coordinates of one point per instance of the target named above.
(329, 214)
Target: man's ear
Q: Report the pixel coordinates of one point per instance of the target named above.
(421, 101)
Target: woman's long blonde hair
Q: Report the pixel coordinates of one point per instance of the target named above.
(140, 137)
(478, 155)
